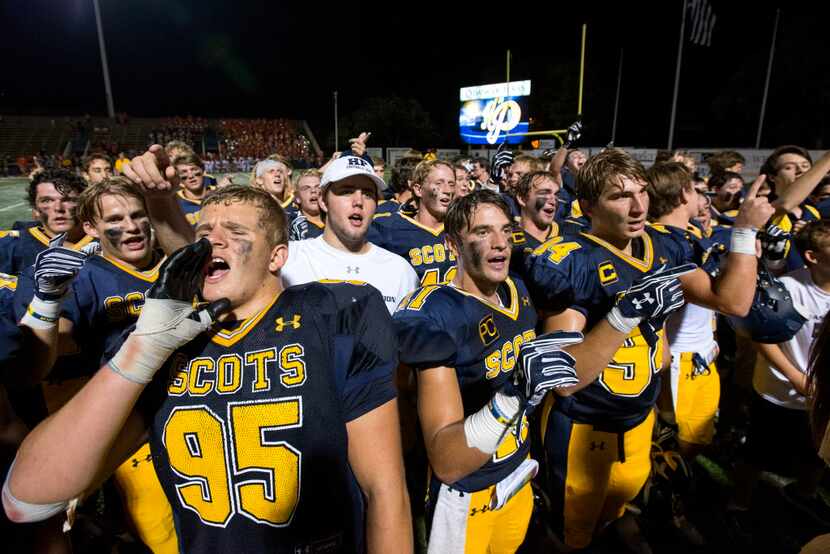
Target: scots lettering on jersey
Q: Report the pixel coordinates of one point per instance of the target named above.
(430, 254)
(120, 308)
(259, 371)
(504, 358)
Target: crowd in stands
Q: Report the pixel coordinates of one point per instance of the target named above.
(258, 138)
(187, 129)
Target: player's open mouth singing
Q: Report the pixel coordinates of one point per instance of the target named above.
(134, 244)
(497, 262)
(216, 269)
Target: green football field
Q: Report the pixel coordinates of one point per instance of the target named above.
(13, 204)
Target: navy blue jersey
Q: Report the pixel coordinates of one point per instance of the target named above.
(9, 332)
(191, 208)
(441, 325)
(694, 247)
(723, 219)
(515, 211)
(249, 440)
(584, 273)
(19, 248)
(523, 246)
(787, 222)
(104, 300)
(387, 207)
(421, 246)
(823, 208)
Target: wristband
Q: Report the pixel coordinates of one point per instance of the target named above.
(42, 314)
(487, 428)
(743, 240)
(621, 323)
(24, 512)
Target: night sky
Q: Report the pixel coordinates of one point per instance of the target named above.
(261, 59)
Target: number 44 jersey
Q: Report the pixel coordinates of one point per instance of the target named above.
(249, 439)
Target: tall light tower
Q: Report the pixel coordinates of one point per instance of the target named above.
(107, 86)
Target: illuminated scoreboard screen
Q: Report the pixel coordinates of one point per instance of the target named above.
(489, 112)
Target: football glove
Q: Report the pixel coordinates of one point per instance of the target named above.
(54, 270)
(774, 241)
(544, 366)
(298, 229)
(501, 161)
(649, 301)
(574, 133)
(57, 266)
(168, 320)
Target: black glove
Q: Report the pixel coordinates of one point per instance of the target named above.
(574, 133)
(649, 301)
(774, 241)
(298, 229)
(501, 161)
(544, 366)
(57, 266)
(168, 320)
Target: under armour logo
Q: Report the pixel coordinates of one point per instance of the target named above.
(597, 445)
(350, 269)
(525, 301)
(647, 299)
(282, 324)
(481, 510)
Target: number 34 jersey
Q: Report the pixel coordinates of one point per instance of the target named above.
(249, 440)
(584, 273)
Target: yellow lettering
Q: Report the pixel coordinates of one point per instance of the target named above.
(292, 365)
(415, 257)
(196, 386)
(427, 253)
(134, 302)
(229, 379)
(493, 364)
(260, 361)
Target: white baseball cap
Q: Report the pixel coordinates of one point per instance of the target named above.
(346, 166)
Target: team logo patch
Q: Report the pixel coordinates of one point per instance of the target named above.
(294, 323)
(487, 330)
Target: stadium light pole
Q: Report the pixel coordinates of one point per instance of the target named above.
(107, 86)
(336, 126)
(677, 78)
(766, 83)
(617, 98)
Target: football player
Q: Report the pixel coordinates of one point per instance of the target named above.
(536, 195)
(53, 197)
(598, 438)
(96, 167)
(262, 427)
(191, 173)
(793, 176)
(419, 238)
(694, 382)
(463, 338)
(400, 184)
(308, 224)
(104, 299)
(273, 175)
